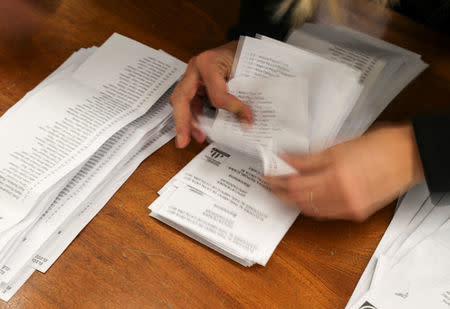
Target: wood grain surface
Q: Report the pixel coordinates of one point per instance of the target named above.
(123, 258)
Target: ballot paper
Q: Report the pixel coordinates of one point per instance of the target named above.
(87, 128)
(406, 211)
(409, 268)
(385, 69)
(220, 199)
(54, 247)
(83, 117)
(333, 87)
(7, 290)
(421, 279)
(82, 185)
(279, 108)
(350, 78)
(59, 241)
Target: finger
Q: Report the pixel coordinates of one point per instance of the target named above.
(287, 199)
(311, 194)
(302, 200)
(291, 184)
(197, 106)
(318, 202)
(196, 109)
(181, 98)
(277, 183)
(198, 135)
(307, 164)
(216, 88)
(196, 132)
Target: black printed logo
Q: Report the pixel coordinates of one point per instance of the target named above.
(367, 305)
(217, 156)
(216, 153)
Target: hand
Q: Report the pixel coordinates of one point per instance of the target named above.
(354, 179)
(19, 20)
(208, 71)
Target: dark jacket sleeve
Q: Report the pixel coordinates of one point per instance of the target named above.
(435, 13)
(433, 140)
(256, 16)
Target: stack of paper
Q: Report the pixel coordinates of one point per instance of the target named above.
(69, 144)
(384, 70)
(409, 268)
(332, 87)
(220, 200)
(346, 79)
(328, 86)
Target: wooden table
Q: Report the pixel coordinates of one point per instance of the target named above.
(123, 258)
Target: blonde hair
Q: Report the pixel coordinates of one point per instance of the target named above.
(302, 10)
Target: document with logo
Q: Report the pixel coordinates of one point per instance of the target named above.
(230, 208)
(301, 97)
(280, 120)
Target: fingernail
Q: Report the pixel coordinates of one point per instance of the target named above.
(196, 135)
(244, 119)
(179, 141)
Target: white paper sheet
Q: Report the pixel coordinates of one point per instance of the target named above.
(280, 112)
(55, 246)
(29, 167)
(89, 127)
(333, 87)
(404, 215)
(229, 205)
(420, 280)
(80, 188)
(388, 69)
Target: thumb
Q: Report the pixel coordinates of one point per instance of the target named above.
(307, 163)
(216, 87)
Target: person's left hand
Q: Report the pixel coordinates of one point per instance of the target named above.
(18, 20)
(354, 179)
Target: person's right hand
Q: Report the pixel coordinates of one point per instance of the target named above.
(354, 179)
(208, 71)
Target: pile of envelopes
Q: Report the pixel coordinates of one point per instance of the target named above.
(70, 144)
(327, 84)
